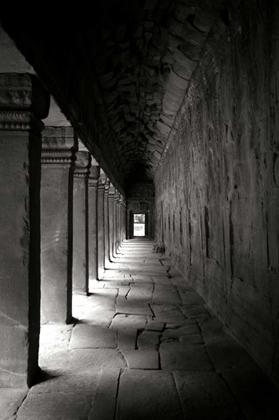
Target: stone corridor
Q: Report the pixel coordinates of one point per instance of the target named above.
(143, 347)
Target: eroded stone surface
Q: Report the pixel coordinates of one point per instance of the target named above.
(68, 406)
(143, 395)
(187, 356)
(89, 336)
(130, 321)
(205, 395)
(10, 401)
(142, 359)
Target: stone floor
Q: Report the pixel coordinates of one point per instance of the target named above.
(144, 347)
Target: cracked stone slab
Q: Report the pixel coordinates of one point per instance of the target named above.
(148, 340)
(142, 278)
(205, 396)
(148, 395)
(141, 291)
(83, 381)
(161, 297)
(161, 280)
(133, 307)
(55, 405)
(71, 361)
(154, 326)
(168, 314)
(142, 359)
(176, 356)
(191, 328)
(127, 338)
(97, 317)
(128, 321)
(123, 291)
(10, 401)
(91, 336)
(104, 401)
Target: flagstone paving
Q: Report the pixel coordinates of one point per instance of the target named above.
(144, 346)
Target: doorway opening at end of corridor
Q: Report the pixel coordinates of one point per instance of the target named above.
(139, 224)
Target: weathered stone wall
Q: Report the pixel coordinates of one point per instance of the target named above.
(141, 199)
(217, 190)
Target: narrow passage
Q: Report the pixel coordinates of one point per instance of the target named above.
(145, 347)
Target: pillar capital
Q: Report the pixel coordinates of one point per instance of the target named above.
(107, 187)
(102, 179)
(82, 164)
(111, 192)
(58, 145)
(94, 173)
(23, 102)
(116, 195)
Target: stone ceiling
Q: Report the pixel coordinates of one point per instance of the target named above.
(144, 60)
(129, 71)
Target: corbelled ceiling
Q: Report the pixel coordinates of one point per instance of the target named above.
(128, 74)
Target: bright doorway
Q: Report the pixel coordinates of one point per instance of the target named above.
(139, 224)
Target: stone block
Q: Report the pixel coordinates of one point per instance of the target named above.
(89, 336)
(148, 395)
(205, 395)
(142, 359)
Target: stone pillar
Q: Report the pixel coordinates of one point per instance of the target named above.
(101, 225)
(23, 103)
(120, 220)
(123, 219)
(57, 224)
(80, 230)
(92, 219)
(116, 198)
(111, 222)
(106, 222)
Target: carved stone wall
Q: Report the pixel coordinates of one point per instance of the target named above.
(217, 195)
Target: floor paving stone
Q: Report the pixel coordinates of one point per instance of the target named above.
(91, 336)
(127, 338)
(205, 396)
(54, 337)
(168, 313)
(148, 340)
(149, 396)
(142, 359)
(10, 401)
(128, 321)
(55, 405)
(228, 354)
(191, 328)
(191, 357)
(104, 400)
(154, 326)
(161, 280)
(98, 317)
(136, 309)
